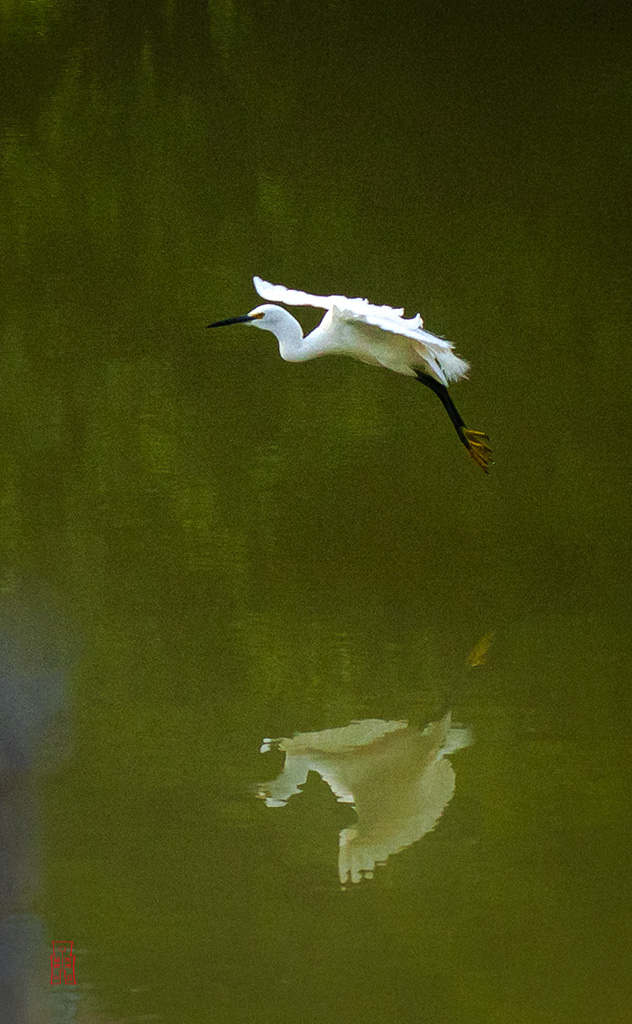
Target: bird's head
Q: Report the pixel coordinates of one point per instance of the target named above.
(267, 317)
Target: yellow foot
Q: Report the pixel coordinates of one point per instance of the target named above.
(478, 448)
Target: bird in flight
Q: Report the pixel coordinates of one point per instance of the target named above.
(378, 335)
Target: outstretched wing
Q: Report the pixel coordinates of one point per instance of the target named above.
(292, 297)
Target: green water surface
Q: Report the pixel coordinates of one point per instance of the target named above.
(202, 546)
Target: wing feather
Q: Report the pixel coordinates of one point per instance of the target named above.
(399, 326)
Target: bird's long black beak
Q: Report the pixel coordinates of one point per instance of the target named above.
(233, 320)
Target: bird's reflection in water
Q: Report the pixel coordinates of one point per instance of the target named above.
(397, 777)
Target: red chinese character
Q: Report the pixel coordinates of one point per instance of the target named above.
(62, 964)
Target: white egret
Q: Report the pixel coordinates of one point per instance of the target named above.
(379, 335)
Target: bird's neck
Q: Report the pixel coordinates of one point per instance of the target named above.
(292, 345)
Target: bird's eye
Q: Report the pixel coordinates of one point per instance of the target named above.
(257, 316)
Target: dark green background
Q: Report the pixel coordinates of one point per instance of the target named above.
(230, 547)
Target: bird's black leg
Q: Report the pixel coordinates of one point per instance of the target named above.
(474, 441)
(443, 395)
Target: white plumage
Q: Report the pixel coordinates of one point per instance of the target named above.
(378, 335)
(374, 334)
